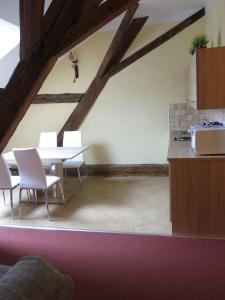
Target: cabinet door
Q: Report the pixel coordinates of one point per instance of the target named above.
(192, 83)
(211, 78)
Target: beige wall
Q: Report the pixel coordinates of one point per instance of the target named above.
(129, 122)
(215, 23)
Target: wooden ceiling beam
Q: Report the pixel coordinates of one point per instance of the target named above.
(70, 13)
(31, 13)
(132, 32)
(28, 77)
(117, 40)
(159, 41)
(90, 5)
(51, 15)
(80, 112)
(57, 98)
(30, 74)
(105, 13)
(118, 47)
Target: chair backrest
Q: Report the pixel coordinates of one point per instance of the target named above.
(5, 176)
(73, 139)
(32, 174)
(48, 139)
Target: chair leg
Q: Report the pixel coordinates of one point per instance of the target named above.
(79, 177)
(3, 193)
(52, 169)
(86, 171)
(61, 190)
(11, 202)
(46, 203)
(35, 196)
(20, 195)
(28, 196)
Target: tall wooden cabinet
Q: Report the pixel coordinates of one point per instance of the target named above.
(206, 79)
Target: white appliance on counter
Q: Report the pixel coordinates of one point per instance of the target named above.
(208, 140)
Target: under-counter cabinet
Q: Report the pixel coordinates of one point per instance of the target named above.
(206, 79)
(197, 192)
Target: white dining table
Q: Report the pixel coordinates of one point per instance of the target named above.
(52, 155)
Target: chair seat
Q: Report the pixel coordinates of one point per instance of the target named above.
(15, 181)
(51, 180)
(70, 163)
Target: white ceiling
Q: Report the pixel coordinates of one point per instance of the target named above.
(159, 11)
(163, 11)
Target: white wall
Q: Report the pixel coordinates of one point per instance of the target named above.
(129, 122)
(7, 66)
(215, 23)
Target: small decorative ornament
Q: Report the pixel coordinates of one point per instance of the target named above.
(74, 66)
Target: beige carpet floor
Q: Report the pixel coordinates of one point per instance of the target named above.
(121, 204)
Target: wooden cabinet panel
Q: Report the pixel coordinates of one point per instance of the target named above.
(205, 83)
(197, 190)
(211, 78)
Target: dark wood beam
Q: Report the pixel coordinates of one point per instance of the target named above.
(84, 106)
(117, 49)
(31, 13)
(68, 15)
(57, 98)
(51, 15)
(117, 40)
(158, 41)
(132, 32)
(20, 92)
(105, 13)
(29, 76)
(90, 6)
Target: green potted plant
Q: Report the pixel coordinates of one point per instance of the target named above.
(199, 41)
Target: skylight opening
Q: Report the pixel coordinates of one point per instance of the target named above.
(9, 37)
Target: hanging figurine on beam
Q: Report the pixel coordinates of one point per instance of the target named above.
(74, 66)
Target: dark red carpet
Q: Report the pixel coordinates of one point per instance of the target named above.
(125, 267)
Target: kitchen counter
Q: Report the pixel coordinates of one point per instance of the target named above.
(183, 150)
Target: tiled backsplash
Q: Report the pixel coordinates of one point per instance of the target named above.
(182, 116)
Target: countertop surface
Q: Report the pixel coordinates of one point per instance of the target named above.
(183, 150)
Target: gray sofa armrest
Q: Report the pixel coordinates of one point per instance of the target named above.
(31, 278)
(4, 269)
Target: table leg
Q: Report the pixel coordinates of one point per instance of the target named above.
(58, 171)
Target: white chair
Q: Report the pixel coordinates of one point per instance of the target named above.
(48, 139)
(8, 182)
(73, 139)
(32, 174)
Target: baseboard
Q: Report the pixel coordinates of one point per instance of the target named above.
(128, 170)
(121, 170)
